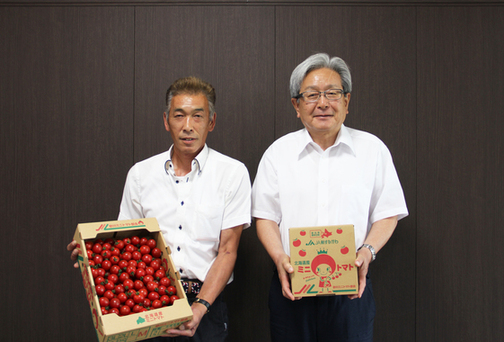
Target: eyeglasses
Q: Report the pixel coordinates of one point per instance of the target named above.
(314, 96)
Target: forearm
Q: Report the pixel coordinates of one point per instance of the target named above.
(222, 268)
(380, 233)
(268, 233)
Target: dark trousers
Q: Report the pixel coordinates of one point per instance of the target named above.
(321, 318)
(212, 328)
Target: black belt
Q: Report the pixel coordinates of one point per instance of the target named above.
(191, 286)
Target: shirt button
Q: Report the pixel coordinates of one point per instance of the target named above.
(178, 248)
(182, 203)
(181, 271)
(180, 227)
(176, 181)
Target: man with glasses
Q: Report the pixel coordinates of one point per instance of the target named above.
(324, 174)
(201, 199)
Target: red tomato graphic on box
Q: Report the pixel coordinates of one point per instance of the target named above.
(296, 243)
(339, 231)
(302, 252)
(302, 233)
(344, 250)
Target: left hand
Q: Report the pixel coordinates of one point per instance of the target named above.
(362, 262)
(189, 328)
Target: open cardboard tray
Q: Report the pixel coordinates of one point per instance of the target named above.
(138, 326)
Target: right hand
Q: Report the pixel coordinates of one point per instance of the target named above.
(74, 252)
(284, 269)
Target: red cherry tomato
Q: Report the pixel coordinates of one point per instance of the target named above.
(173, 299)
(124, 310)
(156, 252)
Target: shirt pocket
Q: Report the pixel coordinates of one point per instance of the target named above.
(207, 222)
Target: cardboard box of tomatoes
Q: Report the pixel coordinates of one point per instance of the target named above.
(145, 317)
(323, 260)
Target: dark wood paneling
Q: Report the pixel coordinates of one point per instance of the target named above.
(66, 102)
(460, 165)
(378, 43)
(232, 48)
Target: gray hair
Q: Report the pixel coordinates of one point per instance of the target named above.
(192, 86)
(319, 61)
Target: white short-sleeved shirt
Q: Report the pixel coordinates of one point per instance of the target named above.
(352, 182)
(193, 209)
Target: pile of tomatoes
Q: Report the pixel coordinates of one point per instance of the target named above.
(129, 276)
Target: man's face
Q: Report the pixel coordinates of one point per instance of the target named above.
(322, 117)
(189, 123)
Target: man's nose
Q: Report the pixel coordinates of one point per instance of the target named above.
(322, 101)
(188, 124)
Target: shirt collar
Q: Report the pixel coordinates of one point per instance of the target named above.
(199, 161)
(344, 137)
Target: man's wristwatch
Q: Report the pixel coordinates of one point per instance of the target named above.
(371, 249)
(204, 302)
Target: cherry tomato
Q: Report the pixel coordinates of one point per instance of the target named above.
(143, 291)
(143, 241)
(156, 304)
(149, 270)
(128, 284)
(106, 264)
(146, 303)
(119, 244)
(144, 249)
(156, 252)
(141, 264)
(136, 255)
(113, 278)
(153, 296)
(106, 246)
(138, 284)
(162, 290)
(152, 286)
(137, 308)
(126, 256)
(124, 310)
(109, 285)
(155, 264)
(173, 299)
(115, 302)
(108, 294)
(100, 289)
(119, 288)
(104, 302)
(165, 300)
(130, 303)
(89, 245)
(97, 258)
(130, 248)
(151, 243)
(126, 241)
(147, 278)
(104, 311)
(139, 273)
(138, 298)
(159, 274)
(171, 290)
(99, 280)
(123, 276)
(165, 281)
(122, 297)
(146, 258)
(114, 310)
(135, 240)
(97, 248)
(115, 269)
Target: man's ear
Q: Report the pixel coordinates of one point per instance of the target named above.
(211, 125)
(296, 105)
(165, 120)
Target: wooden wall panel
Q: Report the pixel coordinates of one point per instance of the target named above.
(378, 43)
(460, 184)
(66, 102)
(232, 48)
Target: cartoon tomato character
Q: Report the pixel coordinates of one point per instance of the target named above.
(323, 266)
